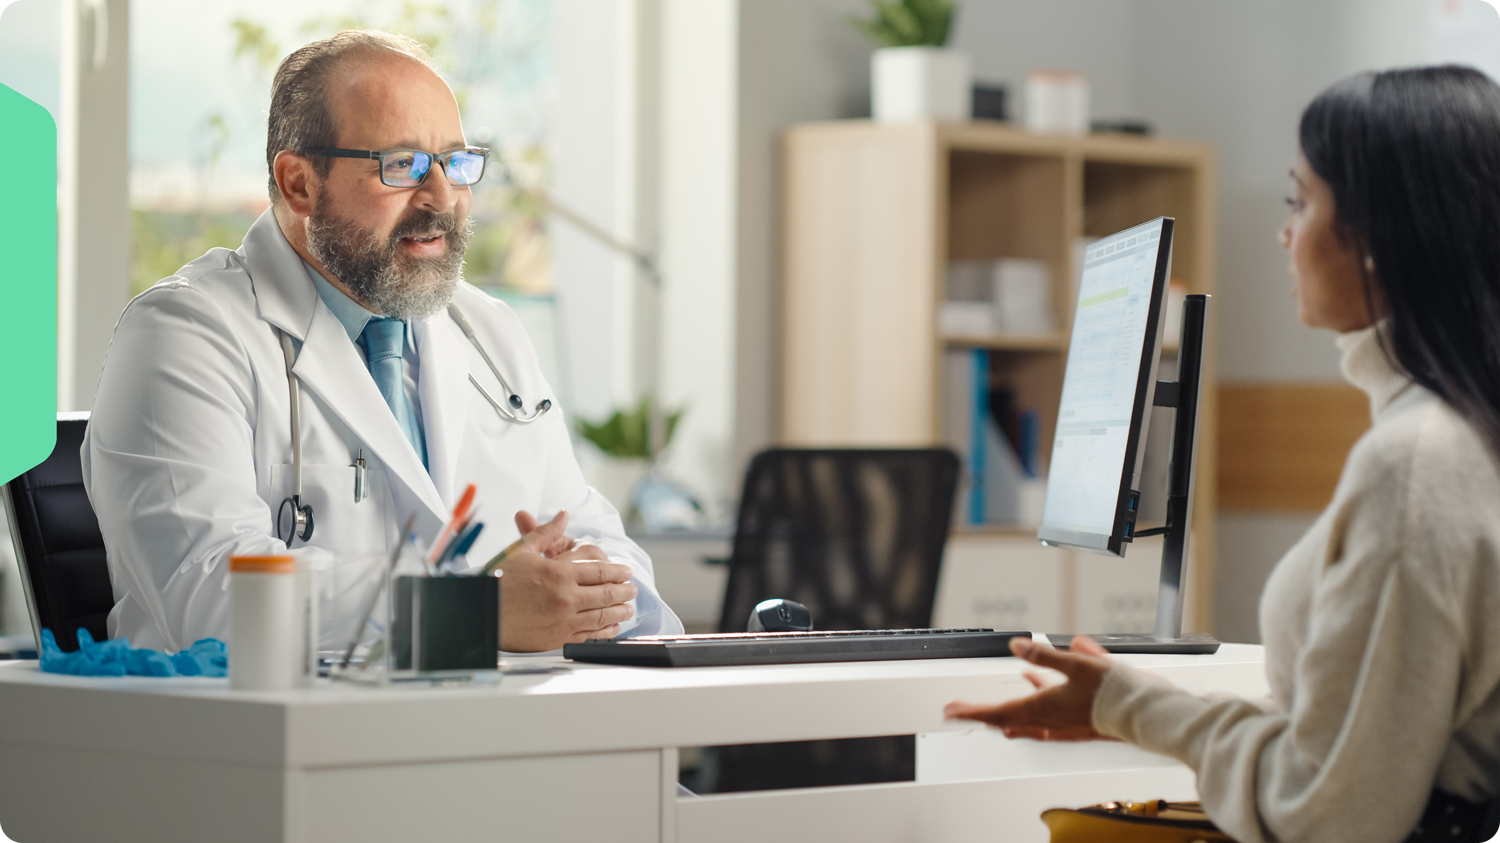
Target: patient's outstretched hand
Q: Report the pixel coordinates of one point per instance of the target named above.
(1061, 711)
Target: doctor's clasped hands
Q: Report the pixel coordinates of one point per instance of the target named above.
(559, 591)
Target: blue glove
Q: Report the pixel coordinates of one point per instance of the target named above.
(115, 657)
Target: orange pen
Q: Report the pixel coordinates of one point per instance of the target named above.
(464, 502)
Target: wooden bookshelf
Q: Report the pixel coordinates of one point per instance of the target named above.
(872, 215)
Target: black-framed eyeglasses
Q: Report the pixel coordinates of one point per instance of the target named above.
(409, 167)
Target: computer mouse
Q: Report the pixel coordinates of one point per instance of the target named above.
(778, 615)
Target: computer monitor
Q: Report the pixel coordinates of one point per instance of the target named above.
(1109, 388)
(1093, 485)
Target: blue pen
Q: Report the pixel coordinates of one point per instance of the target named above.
(467, 541)
(464, 542)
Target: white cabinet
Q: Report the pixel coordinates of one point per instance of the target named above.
(1118, 595)
(997, 581)
(1013, 582)
(1003, 582)
(691, 573)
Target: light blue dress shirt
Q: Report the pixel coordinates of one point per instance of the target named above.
(353, 316)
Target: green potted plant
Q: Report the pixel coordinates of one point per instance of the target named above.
(913, 74)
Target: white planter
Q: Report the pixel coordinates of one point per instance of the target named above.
(613, 477)
(916, 83)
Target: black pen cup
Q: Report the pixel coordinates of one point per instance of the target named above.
(446, 624)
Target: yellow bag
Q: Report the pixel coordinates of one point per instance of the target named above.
(1134, 822)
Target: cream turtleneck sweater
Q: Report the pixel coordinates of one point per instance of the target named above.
(1382, 636)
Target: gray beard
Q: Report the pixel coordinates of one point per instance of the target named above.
(414, 288)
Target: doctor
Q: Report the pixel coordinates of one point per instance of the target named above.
(352, 281)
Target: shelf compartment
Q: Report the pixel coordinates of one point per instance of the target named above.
(1003, 205)
(1117, 196)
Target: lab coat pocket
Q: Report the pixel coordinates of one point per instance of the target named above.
(353, 535)
(346, 528)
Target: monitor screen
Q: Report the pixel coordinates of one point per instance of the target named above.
(1107, 387)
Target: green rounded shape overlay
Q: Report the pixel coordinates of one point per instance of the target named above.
(28, 279)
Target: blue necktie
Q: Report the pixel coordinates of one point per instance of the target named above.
(383, 341)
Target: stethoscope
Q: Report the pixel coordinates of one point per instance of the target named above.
(294, 519)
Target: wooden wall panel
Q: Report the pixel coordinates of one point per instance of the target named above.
(1282, 446)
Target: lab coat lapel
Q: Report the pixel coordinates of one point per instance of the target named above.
(330, 367)
(328, 364)
(443, 353)
(284, 295)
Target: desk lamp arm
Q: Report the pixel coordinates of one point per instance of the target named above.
(643, 260)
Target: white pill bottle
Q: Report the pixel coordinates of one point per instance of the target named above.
(272, 624)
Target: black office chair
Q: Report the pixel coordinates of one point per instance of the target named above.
(58, 543)
(857, 535)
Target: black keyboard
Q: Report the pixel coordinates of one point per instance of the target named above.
(732, 648)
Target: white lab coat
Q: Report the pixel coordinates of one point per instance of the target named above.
(188, 452)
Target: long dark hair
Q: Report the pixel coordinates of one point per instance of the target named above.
(1413, 158)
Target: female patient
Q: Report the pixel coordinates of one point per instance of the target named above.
(1382, 625)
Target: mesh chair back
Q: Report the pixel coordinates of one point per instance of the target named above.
(858, 536)
(58, 542)
(855, 534)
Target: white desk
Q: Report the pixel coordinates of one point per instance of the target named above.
(588, 755)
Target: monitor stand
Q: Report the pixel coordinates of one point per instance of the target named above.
(1185, 397)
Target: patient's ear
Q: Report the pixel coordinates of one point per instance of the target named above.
(296, 181)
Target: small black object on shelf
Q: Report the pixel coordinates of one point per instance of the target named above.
(989, 102)
(1122, 126)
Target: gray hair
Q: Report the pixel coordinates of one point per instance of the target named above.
(301, 118)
